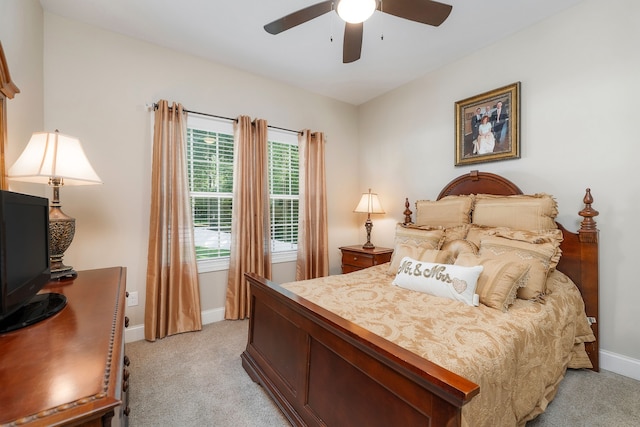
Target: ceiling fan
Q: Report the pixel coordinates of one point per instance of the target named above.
(423, 11)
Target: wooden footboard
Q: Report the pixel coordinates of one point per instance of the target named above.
(323, 370)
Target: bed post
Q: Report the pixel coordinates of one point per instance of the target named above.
(588, 235)
(407, 212)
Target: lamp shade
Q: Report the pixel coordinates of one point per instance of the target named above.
(53, 155)
(369, 203)
(356, 11)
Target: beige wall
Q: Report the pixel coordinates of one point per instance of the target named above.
(579, 72)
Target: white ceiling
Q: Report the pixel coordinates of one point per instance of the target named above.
(230, 32)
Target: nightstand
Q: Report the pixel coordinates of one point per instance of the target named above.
(356, 258)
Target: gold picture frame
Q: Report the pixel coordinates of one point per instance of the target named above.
(496, 137)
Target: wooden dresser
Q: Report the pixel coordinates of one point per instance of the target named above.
(356, 257)
(70, 369)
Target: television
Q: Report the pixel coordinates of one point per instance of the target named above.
(24, 262)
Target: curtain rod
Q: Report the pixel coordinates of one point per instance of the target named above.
(155, 107)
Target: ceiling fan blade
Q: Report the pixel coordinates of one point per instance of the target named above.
(352, 42)
(424, 11)
(299, 17)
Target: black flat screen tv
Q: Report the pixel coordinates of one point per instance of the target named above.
(24, 262)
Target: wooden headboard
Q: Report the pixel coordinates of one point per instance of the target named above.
(579, 258)
(480, 183)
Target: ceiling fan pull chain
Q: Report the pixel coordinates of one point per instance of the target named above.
(331, 19)
(382, 19)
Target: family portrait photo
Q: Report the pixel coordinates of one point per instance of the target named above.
(487, 126)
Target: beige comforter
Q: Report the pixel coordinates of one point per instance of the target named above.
(517, 358)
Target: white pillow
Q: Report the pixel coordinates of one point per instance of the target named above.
(443, 280)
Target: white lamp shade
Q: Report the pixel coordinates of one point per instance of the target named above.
(369, 203)
(53, 155)
(356, 11)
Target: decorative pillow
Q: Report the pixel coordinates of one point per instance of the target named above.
(446, 212)
(443, 280)
(414, 237)
(430, 238)
(499, 281)
(531, 236)
(450, 233)
(419, 253)
(459, 246)
(538, 256)
(477, 232)
(536, 237)
(524, 212)
(421, 227)
(456, 233)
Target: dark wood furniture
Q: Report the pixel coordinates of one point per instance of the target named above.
(322, 370)
(356, 257)
(70, 369)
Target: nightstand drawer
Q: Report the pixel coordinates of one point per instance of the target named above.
(357, 259)
(349, 268)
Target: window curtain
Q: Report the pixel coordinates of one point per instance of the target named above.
(7, 91)
(173, 293)
(250, 234)
(313, 252)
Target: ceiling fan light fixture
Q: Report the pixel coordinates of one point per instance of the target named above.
(356, 11)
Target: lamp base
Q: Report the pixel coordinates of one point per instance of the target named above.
(368, 225)
(62, 228)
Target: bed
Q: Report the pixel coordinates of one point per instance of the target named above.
(327, 364)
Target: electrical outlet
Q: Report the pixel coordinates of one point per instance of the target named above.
(133, 299)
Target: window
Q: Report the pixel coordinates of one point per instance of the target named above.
(210, 169)
(283, 194)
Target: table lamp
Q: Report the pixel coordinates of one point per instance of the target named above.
(55, 159)
(369, 203)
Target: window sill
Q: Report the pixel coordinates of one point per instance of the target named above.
(210, 265)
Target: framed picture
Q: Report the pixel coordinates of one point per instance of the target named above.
(488, 126)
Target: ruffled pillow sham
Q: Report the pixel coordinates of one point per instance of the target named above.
(449, 211)
(499, 281)
(541, 257)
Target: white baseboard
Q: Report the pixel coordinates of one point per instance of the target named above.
(136, 332)
(212, 316)
(620, 364)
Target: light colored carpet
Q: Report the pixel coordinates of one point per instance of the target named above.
(196, 379)
(593, 399)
